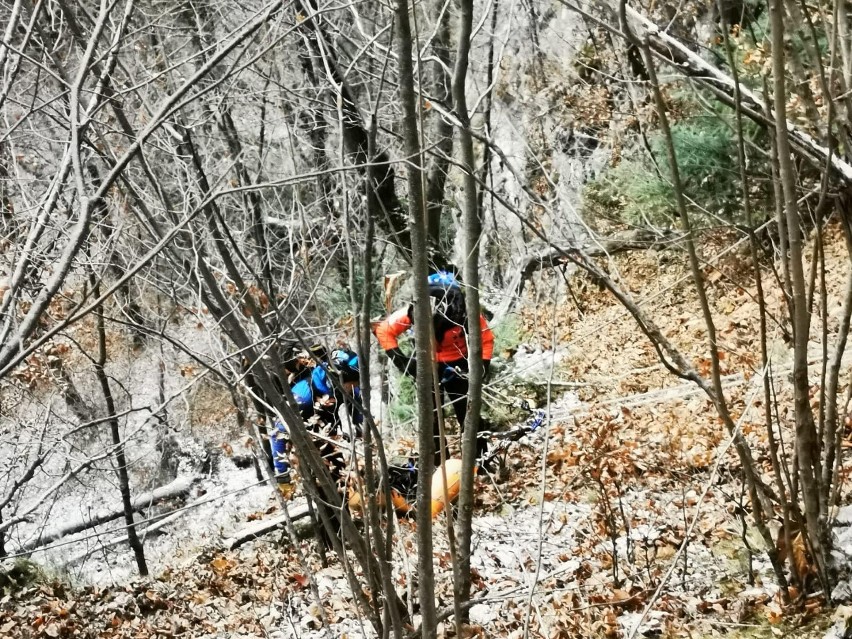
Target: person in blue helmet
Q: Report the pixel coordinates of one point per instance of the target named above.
(451, 326)
(279, 441)
(323, 390)
(344, 363)
(320, 385)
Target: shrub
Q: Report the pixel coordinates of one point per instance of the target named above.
(19, 575)
(403, 407)
(636, 192)
(631, 192)
(508, 334)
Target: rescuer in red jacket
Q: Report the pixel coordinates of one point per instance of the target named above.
(450, 322)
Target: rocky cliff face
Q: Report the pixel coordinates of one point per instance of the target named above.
(552, 120)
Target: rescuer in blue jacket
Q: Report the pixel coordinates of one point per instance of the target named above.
(319, 397)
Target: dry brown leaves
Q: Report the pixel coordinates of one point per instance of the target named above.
(226, 593)
(646, 440)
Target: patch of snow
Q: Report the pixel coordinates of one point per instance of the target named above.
(198, 528)
(843, 541)
(842, 592)
(842, 627)
(482, 614)
(534, 364)
(844, 516)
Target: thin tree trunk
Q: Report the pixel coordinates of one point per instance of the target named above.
(443, 151)
(472, 233)
(807, 444)
(251, 198)
(422, 320)
(115, 432)
(485, 175)
(761, 299)
(371, 433)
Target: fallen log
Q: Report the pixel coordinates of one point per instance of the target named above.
(638, 240)
(154, 526)
(178, 487)
(165, 521)
(261, 527)
(683, 60)
(247, 534)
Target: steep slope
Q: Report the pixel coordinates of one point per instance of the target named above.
(587, 530)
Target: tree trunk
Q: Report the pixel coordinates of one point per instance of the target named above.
(115, 432)
(441, 88)
(807, 443)
(422, 320)
(472, 234)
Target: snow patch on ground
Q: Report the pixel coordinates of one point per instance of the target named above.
(198, 528)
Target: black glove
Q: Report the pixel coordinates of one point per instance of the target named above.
(486, 367)
(403, 362)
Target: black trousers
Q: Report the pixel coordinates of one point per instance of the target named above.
(454, 389)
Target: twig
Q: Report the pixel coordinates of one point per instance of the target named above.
(543, 482)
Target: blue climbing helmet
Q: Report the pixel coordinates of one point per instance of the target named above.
(345, 363)
(303, 393)
(446, 297)
(444, 279)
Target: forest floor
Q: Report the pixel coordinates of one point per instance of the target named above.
(586, 535)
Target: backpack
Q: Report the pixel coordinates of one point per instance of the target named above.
(447, 301)
(448, 308)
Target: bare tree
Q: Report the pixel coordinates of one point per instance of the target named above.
(473, 237)
(422, 318)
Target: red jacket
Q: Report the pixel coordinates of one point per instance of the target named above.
(452, 346)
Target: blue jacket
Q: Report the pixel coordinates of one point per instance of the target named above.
(278, 441)
(310, 389)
